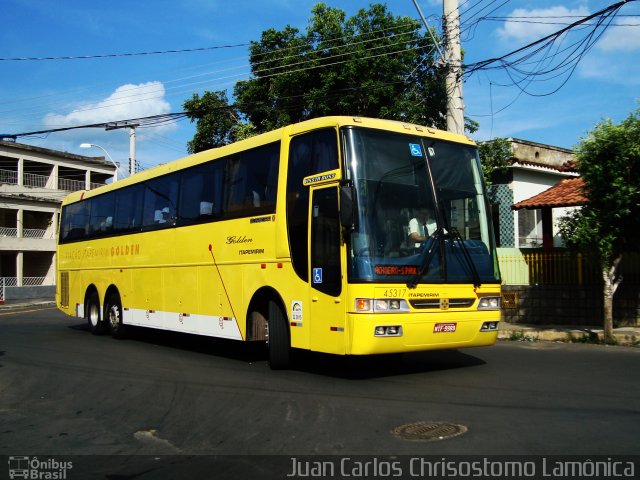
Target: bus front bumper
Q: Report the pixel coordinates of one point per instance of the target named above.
(376, 334)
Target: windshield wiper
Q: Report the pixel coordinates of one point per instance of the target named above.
(455, 236)
(427, 255)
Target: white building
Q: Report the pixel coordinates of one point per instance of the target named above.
(33, 182)
(534, 167)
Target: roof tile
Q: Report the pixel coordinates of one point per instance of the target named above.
(568, 193)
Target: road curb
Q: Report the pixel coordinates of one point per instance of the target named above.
(628, 336)
(23, 305)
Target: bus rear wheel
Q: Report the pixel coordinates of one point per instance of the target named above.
(92, 314)
(114, 316)
(278, 338)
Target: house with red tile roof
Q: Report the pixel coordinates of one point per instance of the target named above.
(568, 193)
(534, 169)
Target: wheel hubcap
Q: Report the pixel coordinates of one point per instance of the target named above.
(114, 316)
(94, 315)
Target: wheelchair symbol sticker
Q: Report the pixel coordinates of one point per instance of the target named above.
(317, 275)
(416, 149)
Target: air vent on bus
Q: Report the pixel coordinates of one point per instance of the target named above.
(64, 289)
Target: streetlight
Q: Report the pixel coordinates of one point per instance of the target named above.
(89, 145)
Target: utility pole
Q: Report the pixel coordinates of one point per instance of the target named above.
(132, 141)
(453, 61)
(132, 149)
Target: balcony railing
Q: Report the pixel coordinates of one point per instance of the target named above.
(26, 232)
(33, 180)
(9, 176)
(26, 281)
(8, 232)
(41, 181)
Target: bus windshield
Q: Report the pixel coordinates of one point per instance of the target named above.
(421, 211)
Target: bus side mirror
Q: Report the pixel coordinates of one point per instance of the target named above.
(348, 210)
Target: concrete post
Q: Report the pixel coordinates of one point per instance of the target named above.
(455, 105)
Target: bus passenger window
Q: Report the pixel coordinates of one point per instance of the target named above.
(201, 192)
(102, 209)
(160, 200)
(75, 221)
(252, 179)
(128, 216)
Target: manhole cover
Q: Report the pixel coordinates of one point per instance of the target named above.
(428, 431)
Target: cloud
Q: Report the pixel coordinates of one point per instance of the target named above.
(621, 39)
(529, 25)
(127, 101)
(602, 68)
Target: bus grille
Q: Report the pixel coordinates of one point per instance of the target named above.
(435, 303)
(64, 289)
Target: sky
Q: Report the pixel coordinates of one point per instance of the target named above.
(46, 94)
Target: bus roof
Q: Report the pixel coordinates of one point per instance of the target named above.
(268, 137)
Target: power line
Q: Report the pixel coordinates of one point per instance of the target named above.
(115, 55)
(263, 73)
(551, 58)
(152, 120)
(473, 67)
(360, 39)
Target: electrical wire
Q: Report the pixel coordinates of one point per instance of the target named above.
(527, 52)
(116, 55)
(144, 92)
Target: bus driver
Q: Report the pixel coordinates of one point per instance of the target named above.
(422, 225)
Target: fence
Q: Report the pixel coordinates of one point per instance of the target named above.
(26, 232)
(41, 181)
(565, 288)
(24, 282)
(560, 268)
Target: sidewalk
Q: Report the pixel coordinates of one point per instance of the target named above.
(571, 333)
(30, 303)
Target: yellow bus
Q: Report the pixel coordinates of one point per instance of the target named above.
(300, 237)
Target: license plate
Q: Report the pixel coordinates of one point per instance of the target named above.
(444, 327)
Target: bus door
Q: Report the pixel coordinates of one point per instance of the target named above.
(328, 322)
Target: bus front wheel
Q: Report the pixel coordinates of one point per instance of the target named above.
(114, 316)
(278, 338)
(92, 313)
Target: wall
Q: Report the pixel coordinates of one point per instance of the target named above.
(569, 305)
(16, 294)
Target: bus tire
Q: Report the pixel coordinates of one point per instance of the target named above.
(113, 314)
(92, 313)
(278, 338)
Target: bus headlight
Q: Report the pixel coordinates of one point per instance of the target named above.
(381, 305)
(489, 303)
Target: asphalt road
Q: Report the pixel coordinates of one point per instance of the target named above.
(64, 391)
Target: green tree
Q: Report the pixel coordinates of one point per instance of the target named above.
(372, 64)
(216, 120)
(494, 157)
(608, 159)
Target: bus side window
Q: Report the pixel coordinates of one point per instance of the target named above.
(75, 221)
(102, 210)
(251, 181)
(128, 216)
(160, 194)
(201, 192)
